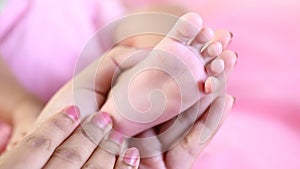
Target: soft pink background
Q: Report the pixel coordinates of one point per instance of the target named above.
(263, 130)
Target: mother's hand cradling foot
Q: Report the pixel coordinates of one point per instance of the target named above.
(61, 142)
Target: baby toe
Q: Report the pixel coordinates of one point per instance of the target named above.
(215, 67)
(187, 27)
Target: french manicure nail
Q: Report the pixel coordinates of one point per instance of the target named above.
(73, 112)
(116, 137)
(102, 119)
(131, 156)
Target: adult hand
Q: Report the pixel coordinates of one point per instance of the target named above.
(178, 147)
(186, 151)
(90, 88)
(60, 142)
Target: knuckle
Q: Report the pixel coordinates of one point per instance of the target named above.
(91, 133)
(38, 142)
(62, 125)
(111, 146)
(69, 154)
(88, 136)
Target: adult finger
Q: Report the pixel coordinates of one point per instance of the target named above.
(105, 155)
(89, 89)
(201, 133)
(80, 145)
(129, 160)
(35, 149)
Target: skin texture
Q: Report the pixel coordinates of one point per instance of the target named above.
(84, 87)
(55, 144)
(29, 106)
(110, 74)
(105, 72)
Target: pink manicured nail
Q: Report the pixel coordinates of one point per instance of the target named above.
(116, 137)
(73, 112)
(131, 156)
(102, 119)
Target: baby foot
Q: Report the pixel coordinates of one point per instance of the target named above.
(89, 89)
(168, 80)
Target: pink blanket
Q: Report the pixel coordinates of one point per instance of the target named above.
(263, 130)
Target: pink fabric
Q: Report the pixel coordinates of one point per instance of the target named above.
(41, 39)
(262, 131)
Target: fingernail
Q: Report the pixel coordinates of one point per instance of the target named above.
(116, 137)
(231, 34)
(102, 119)
(236, 54)
(73, 112)
(131, 156)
